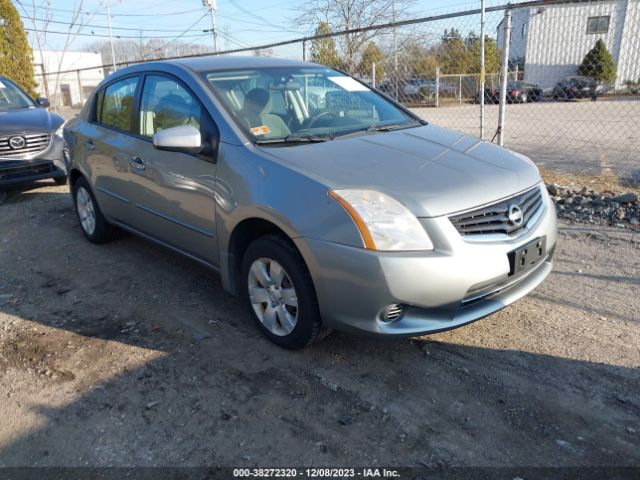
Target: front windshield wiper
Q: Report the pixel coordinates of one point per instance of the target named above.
(380, 128)
(294, 138)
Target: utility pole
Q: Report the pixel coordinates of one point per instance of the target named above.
(113, 52)
(212, 6)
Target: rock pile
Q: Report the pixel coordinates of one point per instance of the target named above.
(588, 206)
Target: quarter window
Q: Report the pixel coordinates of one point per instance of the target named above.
(115, 106)
(598, 24)
(165, 104)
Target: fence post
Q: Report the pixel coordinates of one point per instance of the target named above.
(460, 89)
(373, 74)
(504, 75)
(437, 87)
(81, 93)
(482, 71)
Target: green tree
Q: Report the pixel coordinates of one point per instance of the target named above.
(372, 54)
(460, 55)
(491, 54)
(421, 60)
(598, 64)
(323, 50)
(16, 57)
(454, 55)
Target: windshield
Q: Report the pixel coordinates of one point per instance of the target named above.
(298, 104)
(11, 97)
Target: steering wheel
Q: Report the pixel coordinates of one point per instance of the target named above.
(315, 119)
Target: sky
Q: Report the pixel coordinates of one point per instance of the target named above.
(240, 23)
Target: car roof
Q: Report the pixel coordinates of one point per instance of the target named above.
(215, 62)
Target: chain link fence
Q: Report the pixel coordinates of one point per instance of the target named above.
(561, 78)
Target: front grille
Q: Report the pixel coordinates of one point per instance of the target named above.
(34, 143)
(495, 218)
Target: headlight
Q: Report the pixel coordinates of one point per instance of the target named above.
(384, 223)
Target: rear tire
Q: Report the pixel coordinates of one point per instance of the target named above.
(93, 224)
(278, 290)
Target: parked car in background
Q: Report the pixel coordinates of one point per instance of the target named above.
(416, 89)
(31, 143)
(517, 92)
(576, 87)
(349, 213)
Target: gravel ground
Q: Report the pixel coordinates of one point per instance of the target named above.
(593, 138)
(129, 355)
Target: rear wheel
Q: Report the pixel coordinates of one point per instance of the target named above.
(94, 226)
(279, 292)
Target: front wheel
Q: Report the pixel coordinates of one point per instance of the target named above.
(279, 292)
(60, 180)
(94, 226)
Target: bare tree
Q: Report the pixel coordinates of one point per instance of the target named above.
(352, 15)
(42, 13)
(132, 51)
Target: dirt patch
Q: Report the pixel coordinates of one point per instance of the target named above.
(155, 365)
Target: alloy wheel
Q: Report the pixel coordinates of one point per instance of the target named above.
(273, 296)
(86, 211)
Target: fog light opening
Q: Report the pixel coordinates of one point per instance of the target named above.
(392, 313)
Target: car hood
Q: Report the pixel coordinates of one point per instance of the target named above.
(28, 120)
(432, 170)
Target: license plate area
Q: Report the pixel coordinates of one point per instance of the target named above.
(527, 256)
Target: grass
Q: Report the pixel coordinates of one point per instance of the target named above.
(600, 183)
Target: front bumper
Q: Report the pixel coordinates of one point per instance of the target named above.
(48, 164)
(459, 282)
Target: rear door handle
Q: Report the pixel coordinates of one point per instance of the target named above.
(89, 145)
(137, 163)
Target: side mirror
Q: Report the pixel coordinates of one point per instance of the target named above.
(43, 102)
(183, 138)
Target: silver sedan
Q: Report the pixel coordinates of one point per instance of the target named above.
(320, 201)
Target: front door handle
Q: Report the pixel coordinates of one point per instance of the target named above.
(89, 145)
(138, 163)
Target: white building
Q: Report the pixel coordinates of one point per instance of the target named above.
(553, 39)
(73, 87)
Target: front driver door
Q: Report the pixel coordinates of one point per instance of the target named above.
(173, 192)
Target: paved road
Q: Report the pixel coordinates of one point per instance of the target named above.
(585, 137)
(127, 354)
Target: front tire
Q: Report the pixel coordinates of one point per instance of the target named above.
(94, 226)
(60, 180)
(279, 292)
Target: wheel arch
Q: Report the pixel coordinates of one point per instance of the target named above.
(242, 235)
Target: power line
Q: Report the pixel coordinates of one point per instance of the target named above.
(121, 14)
(98, 26)
(183, 34)
(98, 35)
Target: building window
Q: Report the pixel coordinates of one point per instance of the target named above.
(523, 33)
(598, 24)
